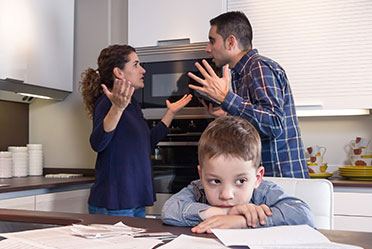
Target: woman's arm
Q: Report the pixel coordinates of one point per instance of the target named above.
(119, 96)
(173, 108)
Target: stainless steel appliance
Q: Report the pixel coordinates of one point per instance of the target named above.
(175, 159)
(166, 78)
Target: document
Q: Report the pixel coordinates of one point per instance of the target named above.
(278, 237)
(63, 237)
(186, 241)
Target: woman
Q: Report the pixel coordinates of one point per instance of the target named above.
(120, 135)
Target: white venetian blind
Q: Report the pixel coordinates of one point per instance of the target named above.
(325, 46)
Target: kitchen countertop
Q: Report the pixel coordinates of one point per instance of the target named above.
(340, 182)
(40, 182)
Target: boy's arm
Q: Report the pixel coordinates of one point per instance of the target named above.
(183, 209)
(286, 210)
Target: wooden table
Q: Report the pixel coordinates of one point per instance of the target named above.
(153, 225)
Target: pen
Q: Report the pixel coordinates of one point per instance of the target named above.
(155, 235)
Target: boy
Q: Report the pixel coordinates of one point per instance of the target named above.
(231, 192)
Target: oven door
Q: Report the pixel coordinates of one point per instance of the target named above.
(174, 165)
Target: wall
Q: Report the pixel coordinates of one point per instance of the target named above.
(13, 124)
(64, 128)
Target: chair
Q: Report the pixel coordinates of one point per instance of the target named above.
(317, 193)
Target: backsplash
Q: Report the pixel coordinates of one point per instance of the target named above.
(14, 122)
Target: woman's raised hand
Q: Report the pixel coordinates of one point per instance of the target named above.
(120, 94)
(178, 105)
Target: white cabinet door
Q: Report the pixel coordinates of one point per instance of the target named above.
(75, 201)
(25, 203)
(36, 44)
(353, 211)
(150, 21)
(353, 223)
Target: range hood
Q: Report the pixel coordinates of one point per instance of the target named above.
(18, 91)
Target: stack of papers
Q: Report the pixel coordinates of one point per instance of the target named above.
(278, 237)
(64, 238)
(96, 231)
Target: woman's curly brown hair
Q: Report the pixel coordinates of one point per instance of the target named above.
(91, 80)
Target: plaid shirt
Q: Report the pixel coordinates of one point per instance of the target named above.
(262, 95)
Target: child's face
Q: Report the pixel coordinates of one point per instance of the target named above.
(229, 181)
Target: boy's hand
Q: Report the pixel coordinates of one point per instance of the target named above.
(220, 221)
(252, 213)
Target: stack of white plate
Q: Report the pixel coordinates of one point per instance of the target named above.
(35, 159)
(6, 163)
(20, 160)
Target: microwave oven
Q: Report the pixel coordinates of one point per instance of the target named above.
(166, 78)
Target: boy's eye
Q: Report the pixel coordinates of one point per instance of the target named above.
(240, 181)
(215, 181)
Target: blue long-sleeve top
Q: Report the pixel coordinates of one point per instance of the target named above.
(123, 166)
(183, 208)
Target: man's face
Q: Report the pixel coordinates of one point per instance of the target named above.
(229, 181)
(216, 48)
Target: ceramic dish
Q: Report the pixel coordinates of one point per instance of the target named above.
(320, 175)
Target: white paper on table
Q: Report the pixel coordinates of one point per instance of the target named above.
(278, 237)
(61, 237)
(185, 241)
(96, 231)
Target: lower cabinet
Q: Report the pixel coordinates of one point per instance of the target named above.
(25, 203)
(75, 201)
(353, 211)
(69, 201)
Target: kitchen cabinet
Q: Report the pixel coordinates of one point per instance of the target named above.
(36, 44)
(75, 201)
(52, 196)
(353, 211)
(25, 203)
(151, 21)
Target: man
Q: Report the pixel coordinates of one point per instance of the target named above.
(260, 93)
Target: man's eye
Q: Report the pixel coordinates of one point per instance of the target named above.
(241, 181)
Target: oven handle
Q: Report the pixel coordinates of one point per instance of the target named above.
(177, 143)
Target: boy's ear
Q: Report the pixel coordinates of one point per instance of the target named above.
(199, 171)
(259, 174)
(118, 73)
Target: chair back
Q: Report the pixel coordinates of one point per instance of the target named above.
(317, 193)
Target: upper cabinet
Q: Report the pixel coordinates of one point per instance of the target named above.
(151, 21)
(36, 45)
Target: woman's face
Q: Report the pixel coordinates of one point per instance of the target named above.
(134, 72)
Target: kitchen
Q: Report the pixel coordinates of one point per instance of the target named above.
(64, 128)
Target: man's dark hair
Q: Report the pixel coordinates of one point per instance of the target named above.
(234, 23)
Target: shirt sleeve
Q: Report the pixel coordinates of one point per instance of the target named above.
(158, 133)
(286, 210)
(182, 209)
(99, 139)
(265, 107)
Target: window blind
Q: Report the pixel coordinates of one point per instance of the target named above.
(324, 46)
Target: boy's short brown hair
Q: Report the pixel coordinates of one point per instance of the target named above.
(230, 136)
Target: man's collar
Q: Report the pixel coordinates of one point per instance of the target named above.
(243, 61)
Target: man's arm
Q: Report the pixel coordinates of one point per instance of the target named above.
(265, 107)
